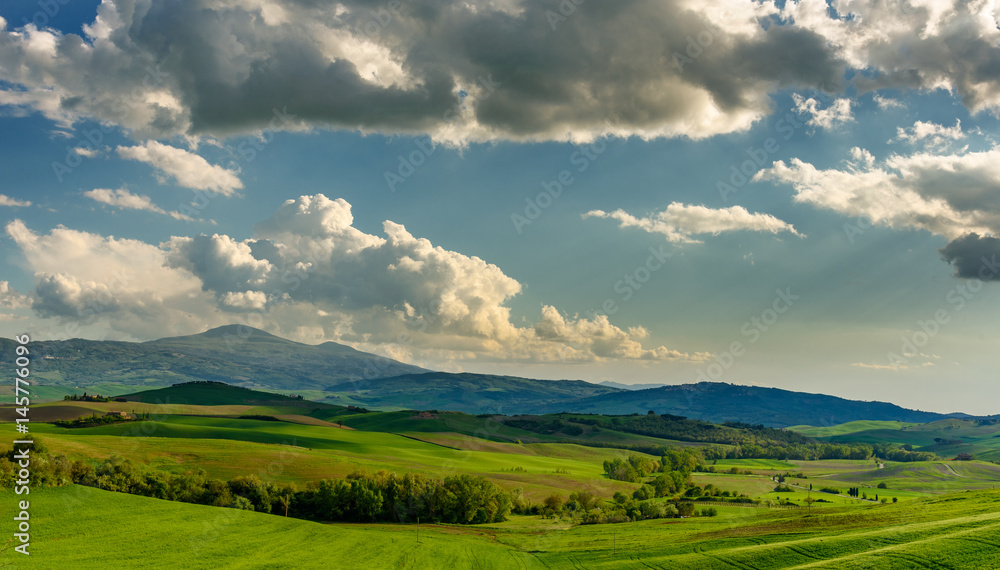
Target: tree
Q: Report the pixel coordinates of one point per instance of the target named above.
(554, 502)
(685, 509)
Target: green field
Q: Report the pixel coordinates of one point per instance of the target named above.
(80, 527)
(946, 515)
(850, 427)
(946, 438)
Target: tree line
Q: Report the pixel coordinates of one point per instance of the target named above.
(360, 497)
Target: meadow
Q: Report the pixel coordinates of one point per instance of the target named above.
(80, 527)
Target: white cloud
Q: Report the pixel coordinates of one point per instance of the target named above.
(949, 195)
(838, 113)
(309, 273)
(681, 222)
(13, 202)
(187, 169)
(10, 298)
(885, 103)
(86, 279)
(931, 135)
(122, 198)
(911, 44)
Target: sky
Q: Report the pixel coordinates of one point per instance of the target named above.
(804, 195)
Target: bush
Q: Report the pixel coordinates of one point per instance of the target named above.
(883, 486)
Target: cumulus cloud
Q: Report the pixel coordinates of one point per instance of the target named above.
(185, 168)
(836, 114)
(13, 202)
(681, 222)
(124, 199)
(308, 272)
(85, 278)
(222, 67)
(946, 194)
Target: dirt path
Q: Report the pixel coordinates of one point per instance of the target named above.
(952, 469)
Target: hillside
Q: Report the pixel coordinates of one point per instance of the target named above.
(466, 392)
(948, 437)
(233, 354)
(219, 394)
(721, 402)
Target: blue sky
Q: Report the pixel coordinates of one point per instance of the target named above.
(871, 206)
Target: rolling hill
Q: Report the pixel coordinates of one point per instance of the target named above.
(233, 354)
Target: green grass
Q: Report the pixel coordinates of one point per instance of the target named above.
(752, 464)
(947, 437)
(287, 452)
(78, 527)
(84, 528)
(849, 428)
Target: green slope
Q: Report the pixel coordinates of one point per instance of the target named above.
(78, 527)
(218, 394)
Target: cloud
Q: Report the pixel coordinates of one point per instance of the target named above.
(122, 198)
(10, 298)
(893, 367)
(13, 202)
(308, 273)
(838, 113)
(931, 135)
(221, 68)
(885, 103)
(680, 222)
(974, 257)
(121, 284)
(911, 44)
(946, 194)
(185, 168)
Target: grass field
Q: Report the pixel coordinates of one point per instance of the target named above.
(286, 452)
(946, 438)
(78, 527)
(849, 427)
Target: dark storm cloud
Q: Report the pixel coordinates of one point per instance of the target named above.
(974, 257)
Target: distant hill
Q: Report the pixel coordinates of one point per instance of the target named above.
(466, 392)
(233, 354)
(218, 394)
(721, 402)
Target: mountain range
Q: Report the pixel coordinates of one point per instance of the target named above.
(252, 358)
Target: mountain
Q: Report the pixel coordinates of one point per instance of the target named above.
(720, 402)
(234, 354)
(466, 392)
